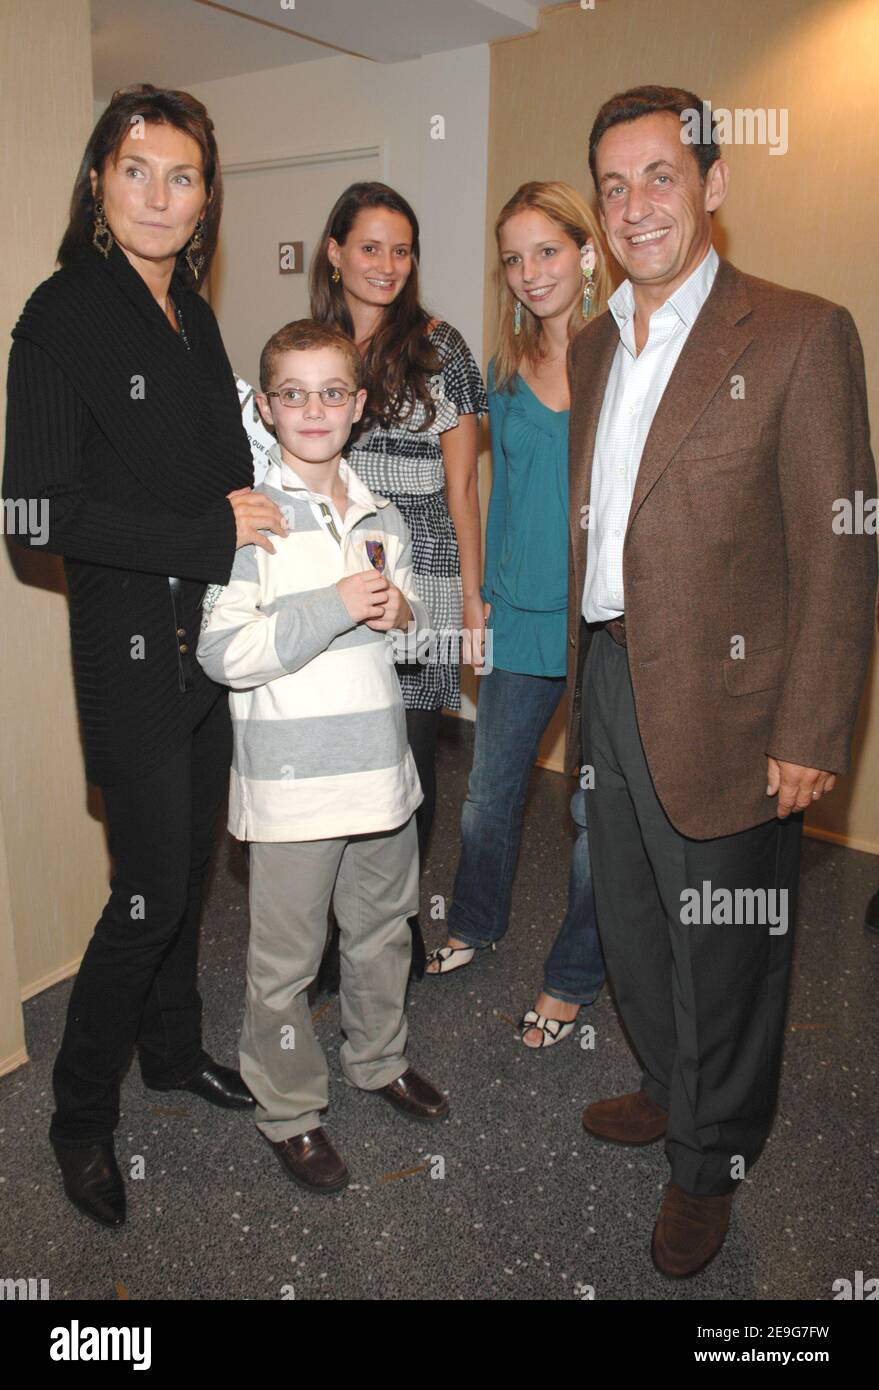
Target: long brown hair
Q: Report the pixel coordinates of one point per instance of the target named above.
(569, 210)
(400, 356)
(156, 106)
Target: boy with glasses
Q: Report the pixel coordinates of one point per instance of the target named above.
(323, 784)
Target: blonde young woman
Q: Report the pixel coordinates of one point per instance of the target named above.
(552, 281)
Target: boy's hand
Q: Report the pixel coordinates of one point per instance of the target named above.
(397, 612)
(365, 595)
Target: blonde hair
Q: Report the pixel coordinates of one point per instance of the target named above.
(569, 210)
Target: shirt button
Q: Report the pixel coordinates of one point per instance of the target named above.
(183, 647)
(181, 632)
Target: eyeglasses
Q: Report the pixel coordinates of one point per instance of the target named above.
(293, 397)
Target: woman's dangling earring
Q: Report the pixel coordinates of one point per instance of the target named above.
(336, 275)
(103, 237)
(194, 256)
(587, 265)
(517, 318)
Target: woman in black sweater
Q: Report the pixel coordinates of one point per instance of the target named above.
(123, 427)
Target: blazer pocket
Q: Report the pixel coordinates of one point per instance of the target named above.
(708, 444)
(758, 671)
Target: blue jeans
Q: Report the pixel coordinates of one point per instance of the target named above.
(511, 717)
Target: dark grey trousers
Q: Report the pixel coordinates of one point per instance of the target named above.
(700, 974)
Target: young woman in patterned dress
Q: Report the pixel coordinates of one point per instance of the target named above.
(418, 443)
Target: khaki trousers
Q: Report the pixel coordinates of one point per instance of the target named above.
(372, 882)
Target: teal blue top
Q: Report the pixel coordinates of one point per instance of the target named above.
(526, 539)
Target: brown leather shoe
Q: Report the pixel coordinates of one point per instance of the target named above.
(689, 1231)
(311, 1161)
(631, 1119)
(415, 1098)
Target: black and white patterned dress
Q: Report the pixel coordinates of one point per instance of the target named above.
(405, 465)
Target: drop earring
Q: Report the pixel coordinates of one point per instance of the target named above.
(194, 256)
(102, 239)
(336, 275)
(587, 265)
(517, 318)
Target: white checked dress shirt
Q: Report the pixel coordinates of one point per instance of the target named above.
(634, 389)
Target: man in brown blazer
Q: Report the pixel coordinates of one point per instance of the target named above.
(718, 444)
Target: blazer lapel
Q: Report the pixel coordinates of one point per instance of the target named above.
(587, 394)
(718, 338)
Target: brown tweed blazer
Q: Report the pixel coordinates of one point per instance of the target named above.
(733, 545)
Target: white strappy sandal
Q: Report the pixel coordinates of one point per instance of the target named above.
(444, 954)
(553, 1030)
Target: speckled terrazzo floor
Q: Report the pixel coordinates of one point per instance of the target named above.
(529, 1207)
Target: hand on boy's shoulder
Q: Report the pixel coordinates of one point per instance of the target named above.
(256, 514)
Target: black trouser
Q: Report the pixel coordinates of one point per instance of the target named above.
(422, 729)
(136, 985)
(703, 1000)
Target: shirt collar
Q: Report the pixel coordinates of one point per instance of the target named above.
(686, 301)
(357, 490)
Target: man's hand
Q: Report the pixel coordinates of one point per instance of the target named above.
(797, 787)
(252, 511)
(365, 595)
(397, 612)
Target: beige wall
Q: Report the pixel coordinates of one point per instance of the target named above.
(53, 862)
(805, 219)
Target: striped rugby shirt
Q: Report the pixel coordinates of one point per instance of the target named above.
(320, 746)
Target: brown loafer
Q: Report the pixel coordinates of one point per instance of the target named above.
(689, 1231)
(311, 1161)
(631, 1119)
(415, 1098)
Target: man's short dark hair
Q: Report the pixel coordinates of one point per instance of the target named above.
(644, 101)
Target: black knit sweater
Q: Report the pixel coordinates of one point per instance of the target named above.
(133, 442)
